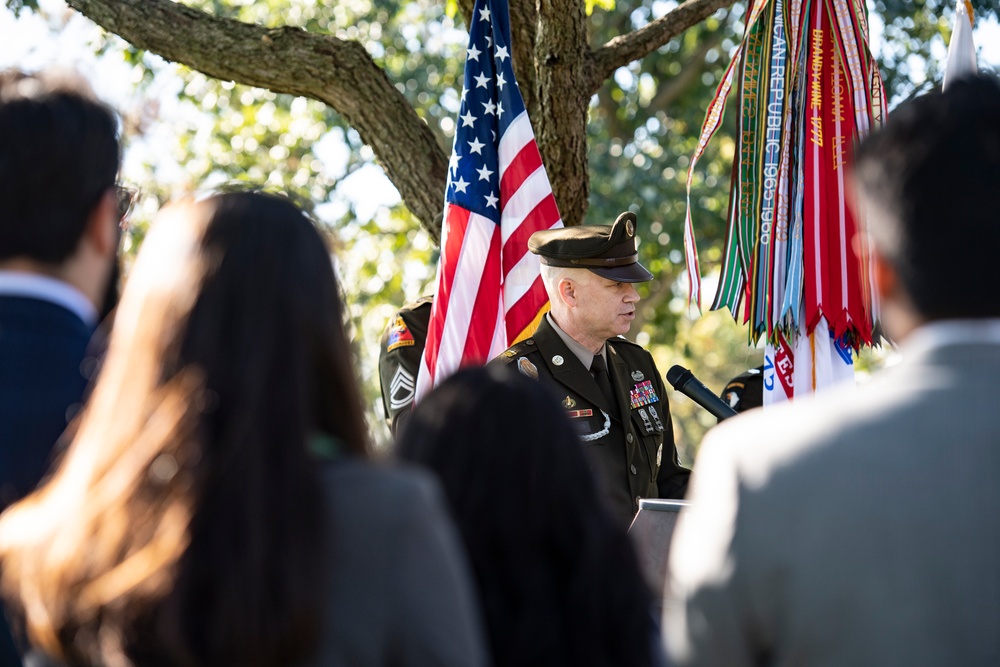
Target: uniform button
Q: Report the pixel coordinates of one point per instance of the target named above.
(637, 499)
(632, 468)
(629, 438)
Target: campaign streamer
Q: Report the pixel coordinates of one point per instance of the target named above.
(808, 90)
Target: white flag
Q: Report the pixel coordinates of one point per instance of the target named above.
(814, 361)
(961, 50)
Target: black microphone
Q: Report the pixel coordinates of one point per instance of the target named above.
(685, 382)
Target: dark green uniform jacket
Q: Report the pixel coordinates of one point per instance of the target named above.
(399, 359)
(632, 457)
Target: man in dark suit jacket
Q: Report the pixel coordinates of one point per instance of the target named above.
(609, 386)
(859, 527)
(59, 157)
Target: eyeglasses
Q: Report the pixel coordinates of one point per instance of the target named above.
(125, 197)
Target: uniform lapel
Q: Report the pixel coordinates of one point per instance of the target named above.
(570, 373)
(621, 376)
(620, 382)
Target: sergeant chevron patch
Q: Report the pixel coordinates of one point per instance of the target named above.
(401, 389)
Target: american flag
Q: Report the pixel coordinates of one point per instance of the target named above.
(489, 289)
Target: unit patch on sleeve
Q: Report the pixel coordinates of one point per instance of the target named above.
(399, 335)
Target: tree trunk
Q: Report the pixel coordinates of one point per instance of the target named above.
(562, 61)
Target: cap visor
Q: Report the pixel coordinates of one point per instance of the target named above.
(631, 273)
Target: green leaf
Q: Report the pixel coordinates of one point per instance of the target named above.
(606, 5)
(17, 5)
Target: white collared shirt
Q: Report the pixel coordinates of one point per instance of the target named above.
(942, 333)
(46, 288)
(585, 356)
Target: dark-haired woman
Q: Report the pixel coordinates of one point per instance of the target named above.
(215, 506)
(557, 576)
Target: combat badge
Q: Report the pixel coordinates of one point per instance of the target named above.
(638, 376)
(568, 403)
(527, 368)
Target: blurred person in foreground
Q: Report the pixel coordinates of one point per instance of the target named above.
(557, 576)
(59, 156)
(860, 527)
(215, 506)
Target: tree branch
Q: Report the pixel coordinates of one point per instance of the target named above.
(625, 48)
(336, 72)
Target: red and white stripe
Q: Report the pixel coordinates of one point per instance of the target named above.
(489, 286)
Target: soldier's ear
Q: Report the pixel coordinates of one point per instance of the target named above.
(567, 291)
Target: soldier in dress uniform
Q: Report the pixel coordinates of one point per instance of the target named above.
(399, 358)
(609, 386)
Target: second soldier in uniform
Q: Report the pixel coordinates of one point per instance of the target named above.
(609, 386)
(399, 355)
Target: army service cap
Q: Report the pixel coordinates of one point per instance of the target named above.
(607, 250)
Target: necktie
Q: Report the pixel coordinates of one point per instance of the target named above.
(600, 370)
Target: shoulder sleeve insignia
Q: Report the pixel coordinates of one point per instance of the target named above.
(527, 368)
(732, 397)
(399, 335)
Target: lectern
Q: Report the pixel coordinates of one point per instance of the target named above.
(651, 531)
